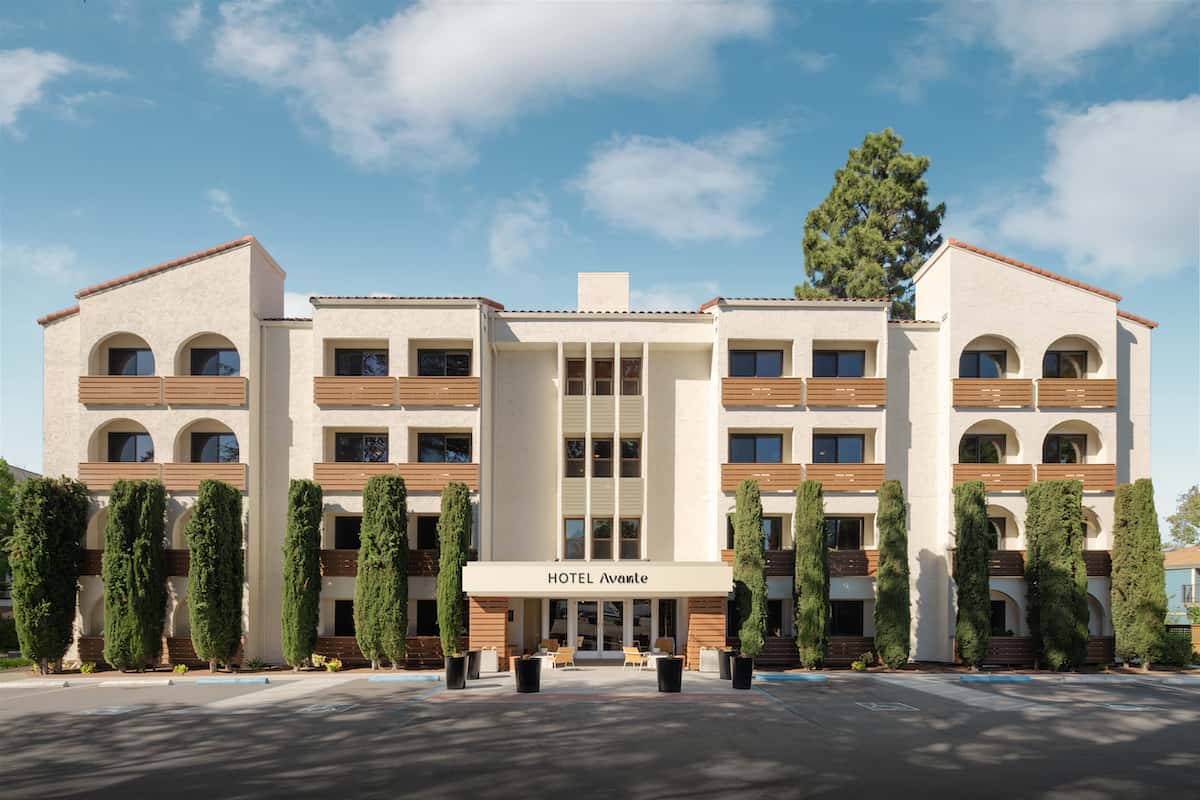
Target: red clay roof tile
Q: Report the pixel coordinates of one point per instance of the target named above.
(57, 315)
(487, 301)
(1149, 323)
(717, 300)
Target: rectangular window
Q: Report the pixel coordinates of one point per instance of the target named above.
(641, 624)
(602, 458)
(576, 456)
(573, 544)
(343, 617)
(602, 545)
(355, 362)
(215, 361)
(631, 377)
(755, 448)
(775, 618)
(576, 376)
(982, 364)
(772, 532)
(631, 539)
(130, 361)
(214, 448)
(360, 447)
(1064, 448)
(614, 624)
(602, 376)
(755, 363)
(983, 448)
(444, 448)
(844, 533)
(1065, 364)
(443, 363)
(130, 447)
(427, 533)
(666, 619)
(846, 618)
(838, 448)
(347, 533)
(631, 458)
(999, 618)
(427, 624)
(558, 621)
(732, 623)
(839, 363)
(998, 525)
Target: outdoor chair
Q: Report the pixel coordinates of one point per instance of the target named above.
(549, 645)
(665, 645)
(563, 657)
(634, 658)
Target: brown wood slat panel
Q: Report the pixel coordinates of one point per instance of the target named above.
(846, 477)
(770, 477)
(872, 561)
(348, 476)
(205, 390)
(1009, 651)
(100, 475)
(778, 652)
(438, 391)
(996, 477)
(1099, 563)
(423, 563)
(848, 563)
(489, 626)
(706, 626)
(354, 391)
(178, 561)
(1095, 477)
(779, 563)
(434, 477)
(93, 561)
(993, 392)
(339, 563)
(91, 648)
(843, 392)
(1101, 650)
(762, 391)
(1006, 563)
(1077, 393)
(120, 390)
(845, 650)
(187, 477)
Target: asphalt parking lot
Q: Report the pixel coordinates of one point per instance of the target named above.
(601, 732)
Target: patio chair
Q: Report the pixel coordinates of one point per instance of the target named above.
(634, 658)
(563, 657)
(549, 645)
(666, 645)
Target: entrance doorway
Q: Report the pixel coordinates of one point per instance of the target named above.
(602, 628)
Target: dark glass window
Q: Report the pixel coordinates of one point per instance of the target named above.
(602, 376)
(576, 455)
(838, 448)
(130, 447)
(982, 364)
(443, 363)
(998, 525)
(755, 448)
(732, 623)
(447, 448)
(641, 624)
(602, 546)
(846, 618)
(573, 543)
(631, 539)
(427, 532)
(130, 361)
(602, 458)
(558, 620)
(839, 363)
(587, 625)
(631, 376)
(347, 533)
(755, 363)
(214, 448)
(576, 376)
(360, 447)
(982, 448)
(999, 618)
(343, 617)
(427, 624)
(631, 458)
(1065, 364)
(844, 533)
(356, 361)
(666, 618)
(215, 361)
(775, 618)
(772, 532)
(1064, 448)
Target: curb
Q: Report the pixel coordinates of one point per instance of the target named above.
(404, 679)
(137, 682)
(788, 678)
(995, 679)
(35, 684)
(227, 681)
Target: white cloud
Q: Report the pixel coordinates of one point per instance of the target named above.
(811, 60)
(55, 261)
(295, 304)
(186, 21)
(23, 75)
(679, 191)
(521, 228)
(221, 204)
(685, 296)
(422, 86)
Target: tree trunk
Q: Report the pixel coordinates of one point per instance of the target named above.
(374, 665)
(1145, 665)
(43, 667)
(212, 665)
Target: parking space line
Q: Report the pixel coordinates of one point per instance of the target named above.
(952, 690)
(277, 694)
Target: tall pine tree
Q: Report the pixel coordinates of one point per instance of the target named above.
(302, 572)
(973, 535)
(812, 575)
(381, 587)
(454, 542)
(134, 572)
(215, 572)
(892, 613)
(749, 569)
(1055, 573)
(1139, 596)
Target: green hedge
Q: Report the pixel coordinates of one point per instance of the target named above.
(749, 569)
(134, 572)
(1139, 595)
(302, 572)
(1055, 573)
(812, 575)
(973, 535)
(892, 613)
(381, 588)
(454, 542)
(215, 573)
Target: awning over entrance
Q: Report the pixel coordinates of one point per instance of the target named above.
(598, 578)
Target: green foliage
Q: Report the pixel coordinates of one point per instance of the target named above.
(8, 499)
(1185, 522)
(872, 233)
(1193, 613)
(134, 571)
(381, 588)
(812, 575)
(1139, 595)
(749, 569)
(87, 667)
(180, 669)
(1176, 649)
(1055, 573)
(973, 625)
(301, 571)
(892, 610)
(8, 634)
(215, 572)
(454, 541)
(13, 663)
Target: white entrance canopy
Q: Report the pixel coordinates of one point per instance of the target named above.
(598, 579)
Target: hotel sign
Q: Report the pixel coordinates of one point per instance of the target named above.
(597, 578)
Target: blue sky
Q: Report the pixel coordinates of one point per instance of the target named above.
(498, 149)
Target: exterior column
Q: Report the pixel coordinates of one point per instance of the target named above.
(706, 626)
(489, 626)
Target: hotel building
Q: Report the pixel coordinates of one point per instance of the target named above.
(602, 446)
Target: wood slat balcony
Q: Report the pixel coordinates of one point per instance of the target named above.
(846, 392)
(354, 391)
(349, 476)
(421, 652)
(178, 562)
(779, 563)
(770, 477)
(993, 392)
(120, 390)
(1006, 563)
(853, 563)
(996, 477)
(101, 475)
(187, 477)
(762, 391)
(339, 563)
(449, 391)
(1095, 477)
(423, 563)
(846, 477)
(1098, 562)
(1077, 393)
(434, 477)
(205, 390)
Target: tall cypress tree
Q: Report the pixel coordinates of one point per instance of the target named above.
(749, 569)
(134, 571)
(454, 540)
(46, 555)
(973, 623)
(1139, 596)
(381, 588)
(892, 612)
(215, 572)
(812, 575)
(302, 572)
(1055, 573)
(8, 500)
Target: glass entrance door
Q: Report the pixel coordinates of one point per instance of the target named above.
(587, 626)
(614, 628)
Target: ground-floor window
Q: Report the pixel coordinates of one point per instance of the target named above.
(846, 618)
(614, 624)
(588, 624)
(427, 624)
(347, 532)
(641, 624)
(343, 617)
(666, 619)
(558, 621)
(999, 618)
(774, 618)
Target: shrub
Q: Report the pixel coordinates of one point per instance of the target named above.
(180, 669)
(454, 540)
(215, 573)
(1176, 649)
(134, 570)
(973, 623)
(892, 609)
(812, 575)
(381, 588)
(333, 665)
(1139, 595)
(87, 667)
(1055, 573)
(1193, 613)
(749, 569)
(256, 664)
(301, 572)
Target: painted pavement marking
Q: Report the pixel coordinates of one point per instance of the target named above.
(328, 708)
(277, 694)
(950, 690)
(887, 706)
(1124, 707)
(109, 711)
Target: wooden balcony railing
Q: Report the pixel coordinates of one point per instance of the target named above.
(993, 392)
(352, 476)
(187, 477)
(438, 391)
(205, 390)
(349, 476)
(354, 391)
(422, 563)
(100, 475)
(1077, 393)
(1095, 477)
(770, 477)
(1011, 563)
(120, 390)
(421, 652)
(996, 477)
(853, 563)
(846, 477)
(177, 561)
(762, 391)
(339, 563)
(434, 477)
(1098, 562)
(846, 392)
(779, 563)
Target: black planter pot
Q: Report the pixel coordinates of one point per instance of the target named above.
(743, 672)
(670, 674)
(723, 659)
(472, 665)
(528, 672)
(456, 672)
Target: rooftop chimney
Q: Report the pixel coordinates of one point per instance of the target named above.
(603, 291)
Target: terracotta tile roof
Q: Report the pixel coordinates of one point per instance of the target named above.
(601, 313)
(1036, 270)
(1149, 323)
(166, 265)
(913, 322)
(57, 315)
(1182, 557)
(487, 301)
(287, 319)
(717, 300)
